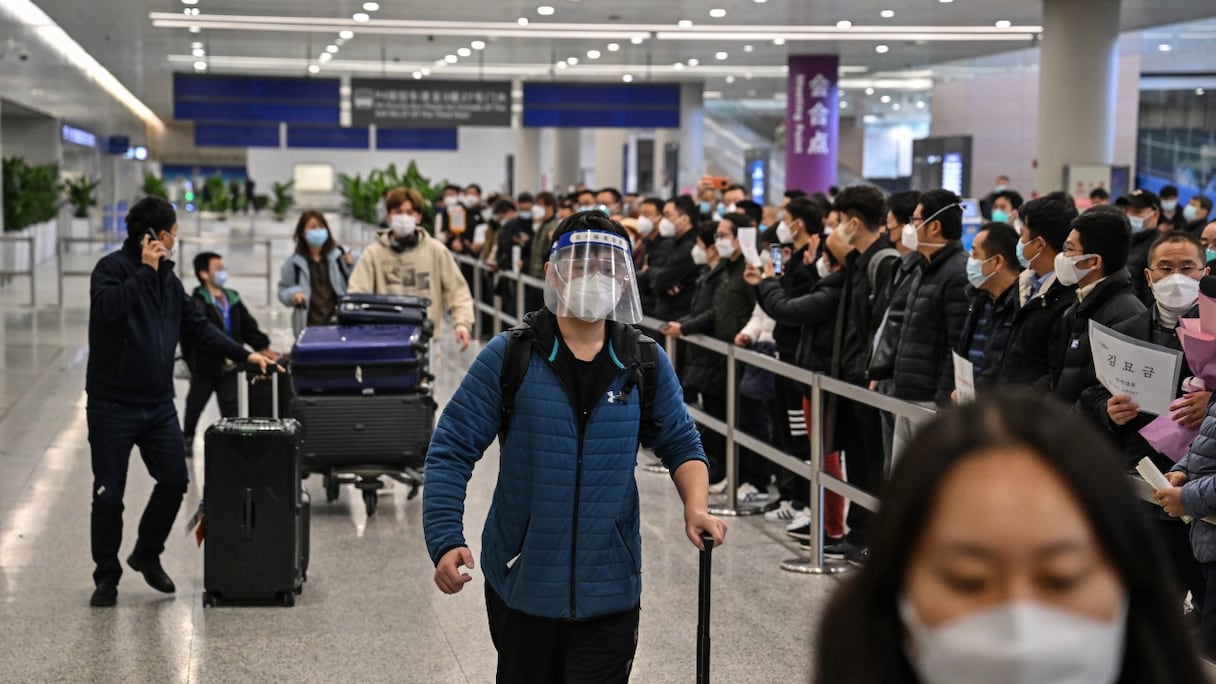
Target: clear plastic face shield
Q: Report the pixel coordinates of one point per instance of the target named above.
(591, 276)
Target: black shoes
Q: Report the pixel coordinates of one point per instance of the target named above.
(153, 573)
(105, 595)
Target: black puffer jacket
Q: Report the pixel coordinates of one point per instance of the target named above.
(1000, 322)
(797, 281)
(720, 312)
(882, 361)
(1036, 341)
(865, 298)
(814, 313)
(671, 266)
(1112, 301)
(937, 309)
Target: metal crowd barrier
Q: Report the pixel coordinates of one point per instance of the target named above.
(268, 274)
(64, 246)
(29, 270)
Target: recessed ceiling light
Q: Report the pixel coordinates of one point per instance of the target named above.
(478, 44)
(545, 10)
(945, 2)
(1200, 91)
(920, 104)
(684, 23)
(522, 21)
(440, 63)
(426, 71)
(778, 41)
(844, 24)
(360, 16)
(1165, 47)
(195, 29)
(749, 48)
(325, 57)
(313, 68)
(371, 6)
(844, 105)
(720, 55)
(678, 66)
(694, 61)
(331, 49)
(613, 47)
(189, 2)
(346, 35)
(464, 52)
(759, 2)
(717, 13)
(417, 75)
(200, 65)
(339, 41)
(885, 99)
(895, 107)
(572, 61)
(881, 49)
(593, 54)
(636, 40)
(869, 91)
(730, 79)
(628, 78)
(198, 52)
(562, 65)
(886, 14)
(451, 59)
(1004, 23)
(196, 44)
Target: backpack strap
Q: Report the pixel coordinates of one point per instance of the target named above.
(876, 261)
(514, 368)
(648, 356)
(343, 267)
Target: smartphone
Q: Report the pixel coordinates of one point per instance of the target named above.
(775, 251)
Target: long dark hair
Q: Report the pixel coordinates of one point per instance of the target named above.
(301, 243)
(861, 638)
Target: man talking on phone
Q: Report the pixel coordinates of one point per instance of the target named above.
(138, 311)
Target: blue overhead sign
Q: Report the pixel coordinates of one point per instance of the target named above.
(78, 136)
(208, 97)
(602, 105)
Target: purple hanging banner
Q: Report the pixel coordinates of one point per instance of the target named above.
(812, 123)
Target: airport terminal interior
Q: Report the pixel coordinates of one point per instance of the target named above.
(746, 142)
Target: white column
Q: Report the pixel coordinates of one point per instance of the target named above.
(527, 160)
(1078, 76)
(609, 157)
(566, 157)
(692, 134)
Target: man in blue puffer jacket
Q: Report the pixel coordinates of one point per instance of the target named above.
(561, 547)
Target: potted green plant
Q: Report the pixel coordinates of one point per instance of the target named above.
(218, 200)
(283, 199)
(32, 195)
(82, 195)
(154, 186)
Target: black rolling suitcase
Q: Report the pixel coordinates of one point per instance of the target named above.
(369, 309)
(703, 601)
(344, 432)
(256, 547)
(261, 394)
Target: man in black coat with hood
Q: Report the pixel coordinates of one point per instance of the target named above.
(138, 312)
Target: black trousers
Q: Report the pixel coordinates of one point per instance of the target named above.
(534, 650)
(201, 389)
(861, 438)
(115, 428)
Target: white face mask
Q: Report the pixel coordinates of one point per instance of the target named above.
(1016, 643)
(730, 209)
(451, 201)
(784, 235)
(822, 268)
(645, 226)
(726, 249)
(1176, 293)
(470, 201)
(843, 235)
(1066, 268)
(699, 256)
(667, 228)
(909, 238)
(403, 225)
(592, 297)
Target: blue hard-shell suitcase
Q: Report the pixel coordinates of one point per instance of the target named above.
(371, 359)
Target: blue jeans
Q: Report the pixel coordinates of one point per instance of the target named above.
(114, 428)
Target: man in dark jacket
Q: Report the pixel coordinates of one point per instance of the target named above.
(1036, 344)
(993, 271)
(1094, 259)
(936, 310)
(1144, 212)
(672, 274)
(1175, 268)
(210, 373)
(1197, 213)
(869, 263)
(138, 312)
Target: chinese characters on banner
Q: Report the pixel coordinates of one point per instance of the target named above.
(1145, 372)
(812, 124)
(429, 103)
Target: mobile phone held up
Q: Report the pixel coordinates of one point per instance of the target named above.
(775, 251)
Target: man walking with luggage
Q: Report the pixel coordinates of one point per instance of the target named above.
(138, 312)
(561, 548)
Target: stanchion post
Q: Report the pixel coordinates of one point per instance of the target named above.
(477, 331)
(269, 273)
(33, 262)
(519, 297)
(496, 301)
(732, 417)
(59, 250)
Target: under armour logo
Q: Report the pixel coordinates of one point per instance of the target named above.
(616, 397)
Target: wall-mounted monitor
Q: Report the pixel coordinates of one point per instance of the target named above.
(313, 177)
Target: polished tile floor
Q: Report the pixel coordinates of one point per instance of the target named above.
(369, 612)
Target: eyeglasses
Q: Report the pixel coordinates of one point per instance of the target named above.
(1185, 269)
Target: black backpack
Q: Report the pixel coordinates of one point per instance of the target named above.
(519, 355)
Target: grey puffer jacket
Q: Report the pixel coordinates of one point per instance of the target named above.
(1199, 491)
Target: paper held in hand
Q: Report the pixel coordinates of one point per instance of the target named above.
(1155, 479)
(964, 380)
(747, 241)
(1145, 372)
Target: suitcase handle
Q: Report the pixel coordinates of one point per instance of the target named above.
(250, 372)
(703, 596)
(248, 518)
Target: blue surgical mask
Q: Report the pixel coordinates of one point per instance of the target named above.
(1022, 258)
(220, 278)
(1137, 223)
(316, 237)
(706, 207)
(525, 216)
(975, 271)
(999, 216)
(1209, 254)
(721, 209)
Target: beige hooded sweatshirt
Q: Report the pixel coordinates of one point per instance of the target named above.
(425, 270)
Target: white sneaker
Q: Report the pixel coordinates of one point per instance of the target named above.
(782, 513)
(802, 518)
(747, 493)
(718, 487)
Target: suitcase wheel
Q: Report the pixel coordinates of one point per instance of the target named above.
(331, 489)
(208, 599)
(369, 500)
(288, 598)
